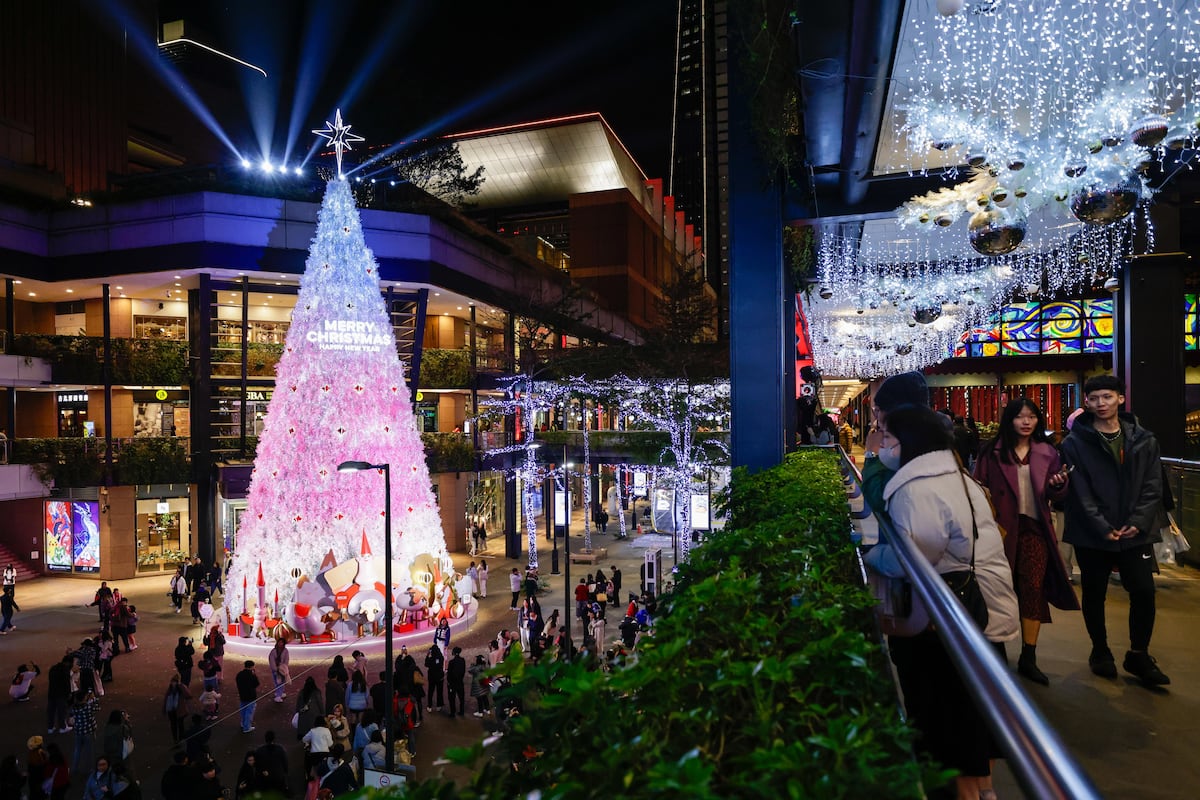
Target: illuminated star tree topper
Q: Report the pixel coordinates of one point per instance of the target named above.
(338, 134)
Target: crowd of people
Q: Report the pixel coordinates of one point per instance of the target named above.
(338, 723)
(998, 529)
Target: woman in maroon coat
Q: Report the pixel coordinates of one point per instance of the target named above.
(1024, 473)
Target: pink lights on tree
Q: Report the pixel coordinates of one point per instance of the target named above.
(341, 395)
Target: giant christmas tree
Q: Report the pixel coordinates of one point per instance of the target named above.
(339, 395)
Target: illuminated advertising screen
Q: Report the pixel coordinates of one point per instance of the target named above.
(85, 536)
(58, 536)
(699, 512)
(560, 508)
(639, 484)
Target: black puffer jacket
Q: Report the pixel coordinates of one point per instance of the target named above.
(1105, 495)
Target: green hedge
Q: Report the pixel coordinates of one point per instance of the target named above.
(764, 678)
(78, 359)
(445, 369)
(75, 462)
(448, 452)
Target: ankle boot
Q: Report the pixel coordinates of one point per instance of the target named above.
(1027, 665)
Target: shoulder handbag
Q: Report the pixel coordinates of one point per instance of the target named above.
(898, 612)
(418, 679)
(964, 583)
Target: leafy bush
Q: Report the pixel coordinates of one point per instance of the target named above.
(153, 460)
(445, 369)
(79, 359)
(764, 677)
(448, 452)
(62, 462)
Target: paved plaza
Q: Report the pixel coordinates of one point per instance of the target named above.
(55, 616)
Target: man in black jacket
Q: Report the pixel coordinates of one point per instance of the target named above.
(272, 762)
(1116, 494)
(178, 778)
(58, 692)
(456, 673)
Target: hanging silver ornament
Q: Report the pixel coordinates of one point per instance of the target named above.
(826, 293)
(996, 232)
(912, 323)
(976, 159)
(983, 200)
(1095, 146)
(1020, 192)
(1074, 168)
(924, 218)
(1181, 142)
(1112, 285)
(948, 8)
(1149, 130)
(860, 311)
(1109, 195)
(1001, 197)
(927, 315)
(903, 349)
(943, 220)
(1016, 162)
(1112, 140)
(941, 144)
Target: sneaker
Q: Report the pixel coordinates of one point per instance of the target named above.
(278, 699)
(1102, 662)
(476, 713)
(429, 709)
(177, 611)
(249, 730)
(1145, 668)
(132, 648)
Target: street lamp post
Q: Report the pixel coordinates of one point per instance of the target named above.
(388, 668)
(569, 607)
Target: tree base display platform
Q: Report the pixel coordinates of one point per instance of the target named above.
(419, 635)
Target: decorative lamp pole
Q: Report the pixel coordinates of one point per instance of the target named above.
(570, 607)
(388, 668)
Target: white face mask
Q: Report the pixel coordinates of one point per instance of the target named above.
(890, 457)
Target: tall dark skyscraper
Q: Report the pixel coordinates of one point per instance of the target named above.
(699, 174)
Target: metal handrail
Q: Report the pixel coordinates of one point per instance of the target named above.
(1039, 760)
(1182, 463)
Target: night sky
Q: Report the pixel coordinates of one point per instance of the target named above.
(406, 70)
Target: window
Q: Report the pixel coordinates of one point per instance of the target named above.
(148, 327)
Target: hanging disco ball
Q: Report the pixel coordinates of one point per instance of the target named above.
(1112, 285)
(1149, 130)
(996, 232)
(925, 316)
(1073, 169)
(1109, 196)
(826, 293)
